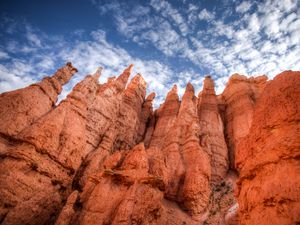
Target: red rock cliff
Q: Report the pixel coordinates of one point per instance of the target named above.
(104, 156)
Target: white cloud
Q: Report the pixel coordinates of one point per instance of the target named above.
(34, 39)
(263, 40)
(243, 7)
(205, 15)
(169, 12)
(3, 55)
(10, 81)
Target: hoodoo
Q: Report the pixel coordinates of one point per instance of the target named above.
(103, 155)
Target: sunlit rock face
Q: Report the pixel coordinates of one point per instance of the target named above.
(105, 156)
(268, 157)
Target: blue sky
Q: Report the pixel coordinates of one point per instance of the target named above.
(167, 41)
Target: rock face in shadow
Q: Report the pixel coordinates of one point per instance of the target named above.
(105, 156)
(268, 157)
(239, 98)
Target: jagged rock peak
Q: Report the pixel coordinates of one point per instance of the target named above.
(208, 85)
(122, 80)
(70, 67)
(150, 97)
(98, 72)
(138, 80)
(84, 88)
(33, 101)
(172, 94)
(174, 88)
(189, 88)
(64, 74)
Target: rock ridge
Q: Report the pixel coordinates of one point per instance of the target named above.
(104, 155)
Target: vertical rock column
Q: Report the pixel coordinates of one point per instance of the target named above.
(164, 157)
(128, 118)
(195, 190)
(123, 123)
(212, 131)
(102, 115)
(176, 156)
(167, 114)
(240, 96)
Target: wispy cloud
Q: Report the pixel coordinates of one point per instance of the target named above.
(86, 56)
(181, 44)
(243, 7)
(256, 41)
(206, 15)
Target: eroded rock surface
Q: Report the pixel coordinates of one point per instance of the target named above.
(39, 163)
(22, 107)
(239, 98)
(268, 157)
(104, 156)
(212, 131)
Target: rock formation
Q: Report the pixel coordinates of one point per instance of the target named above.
(212, 131)
(268, 157)
(17, 111)
(39, 163)
(104, 156)
(239, 97)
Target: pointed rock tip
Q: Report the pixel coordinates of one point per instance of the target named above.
(70, 66)
(98, 72)
(174, 88)
(189, 87)
(151, 96)
(208, 83)
(138, 76)
(129, 68)
(138, 79)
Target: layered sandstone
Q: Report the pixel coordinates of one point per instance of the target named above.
(104, 156)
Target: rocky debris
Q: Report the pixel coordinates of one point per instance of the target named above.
(239, 98)
(103, 156)
(22, 107)
(268, 157)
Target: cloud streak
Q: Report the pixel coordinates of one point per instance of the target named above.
(181, 43)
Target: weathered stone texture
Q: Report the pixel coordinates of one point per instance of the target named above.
(103, 155)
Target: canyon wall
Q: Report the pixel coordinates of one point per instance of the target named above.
(105, 156)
